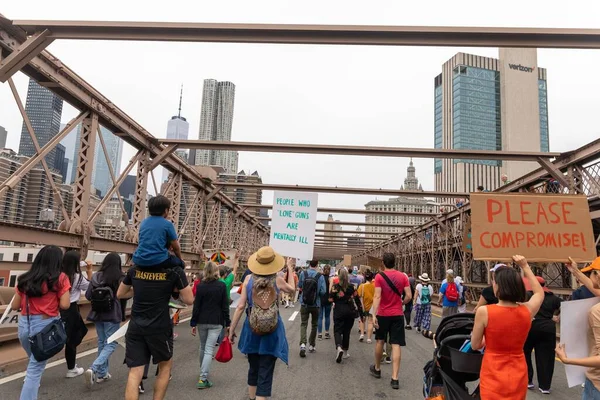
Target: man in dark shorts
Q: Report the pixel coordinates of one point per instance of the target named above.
(150, 332)
(390, 284)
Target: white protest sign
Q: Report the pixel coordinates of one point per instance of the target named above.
(293, 224)
(10, 317)
(119, 333)
(573, 333)
(235, 297)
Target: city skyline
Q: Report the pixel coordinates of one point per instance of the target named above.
(321, 94)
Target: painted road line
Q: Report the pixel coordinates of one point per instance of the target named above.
(62, 361)
(293, 317)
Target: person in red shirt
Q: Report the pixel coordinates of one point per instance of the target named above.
(388, 309)
(46, 289)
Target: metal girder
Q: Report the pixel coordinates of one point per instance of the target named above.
(12, 181)
(46, 68)
(319, 34)
(114, 188)
(161, 156)
(213, 193)
(361, 233)
(348, 150)
(555, 172)
(141, 192)
(346, 210)
(24, 53)
(344, 190)
(350, 223)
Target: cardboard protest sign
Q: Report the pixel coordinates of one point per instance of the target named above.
(293, 224)
(375, 263)
(541, 227)
(347, 260)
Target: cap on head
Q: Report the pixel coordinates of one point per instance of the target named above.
(594, 266)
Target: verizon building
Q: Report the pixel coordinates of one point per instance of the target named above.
(484, 103)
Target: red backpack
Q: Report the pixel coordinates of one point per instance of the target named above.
(451, 292)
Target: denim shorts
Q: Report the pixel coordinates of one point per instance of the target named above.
(590, 392)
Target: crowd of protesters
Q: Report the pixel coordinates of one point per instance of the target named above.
(515, 317)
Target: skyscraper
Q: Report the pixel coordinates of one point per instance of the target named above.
(216, 121)
(71, 149)
(177, 128)
(484, 103)
(3, 135)
(44, 110)
(100, 174)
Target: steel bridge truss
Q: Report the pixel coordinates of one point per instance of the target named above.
(204, 216)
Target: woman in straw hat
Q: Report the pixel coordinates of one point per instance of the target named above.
(263, 350)
(422, 300)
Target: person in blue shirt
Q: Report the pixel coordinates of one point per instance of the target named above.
(157, 235)
(310, 304)
(449, 307)
(582, 292)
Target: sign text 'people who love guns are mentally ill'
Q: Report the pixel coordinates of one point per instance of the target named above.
(293, 224)
(541, 227)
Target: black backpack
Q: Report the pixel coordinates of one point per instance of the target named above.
(310, 289)
(102, 299)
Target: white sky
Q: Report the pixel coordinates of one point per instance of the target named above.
(378, 96)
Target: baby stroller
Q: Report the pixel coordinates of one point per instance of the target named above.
(450, 369)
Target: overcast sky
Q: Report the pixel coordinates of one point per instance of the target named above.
(377, 96)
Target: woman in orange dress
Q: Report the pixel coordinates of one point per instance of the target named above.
(502, 329)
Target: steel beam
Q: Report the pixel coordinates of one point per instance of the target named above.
(348, 150)
(361, 233)
(350, 223)
(33, 46)
(347, 211)
(60, 79)
(555, 172)
(319, 34)
(344, 190)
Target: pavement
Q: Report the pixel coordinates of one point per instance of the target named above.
(315, 377)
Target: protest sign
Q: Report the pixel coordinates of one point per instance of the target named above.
(374, 263)
(119, 333)
(10, 317)
(220, 256)
(293, 224)
(542, 227)
(573, 333)
(347, 260)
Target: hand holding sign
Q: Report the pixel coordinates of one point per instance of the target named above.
(543, 226)
(520, 261)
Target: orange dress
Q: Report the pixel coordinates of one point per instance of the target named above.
(504, 370)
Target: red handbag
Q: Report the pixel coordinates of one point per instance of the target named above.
(225, 352)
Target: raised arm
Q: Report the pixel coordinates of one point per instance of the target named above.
(580, 276)
(535, 302)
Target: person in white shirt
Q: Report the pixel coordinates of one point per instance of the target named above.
(462, 304)
(74, 325)
(423, 293)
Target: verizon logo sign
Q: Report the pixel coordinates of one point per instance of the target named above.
(520, 67)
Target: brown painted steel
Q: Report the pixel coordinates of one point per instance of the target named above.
(348, 150)
(344, 190)
(319, 34)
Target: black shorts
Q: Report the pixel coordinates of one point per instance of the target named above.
(140, 347)
(391, 329)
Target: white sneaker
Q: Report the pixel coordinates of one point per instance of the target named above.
(346, 354)
(75, 372)
(89, 378)
(338, 357)
(107, 378)
(311, 349)
(362, 337)
(544, 391)
(369, 341)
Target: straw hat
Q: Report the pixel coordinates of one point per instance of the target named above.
(424, 277)
(265, 262)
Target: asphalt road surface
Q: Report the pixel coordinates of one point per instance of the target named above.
(312, 378)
